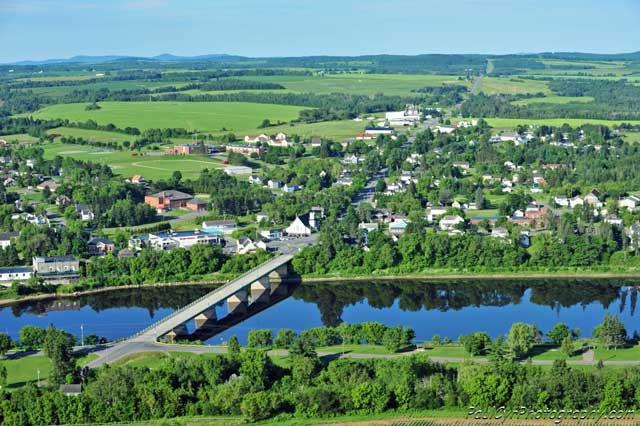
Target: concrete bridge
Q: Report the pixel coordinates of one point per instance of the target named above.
(241, 295)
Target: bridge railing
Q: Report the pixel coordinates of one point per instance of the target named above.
(200, 299)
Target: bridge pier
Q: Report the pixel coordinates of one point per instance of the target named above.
(237, 302)
(202, 318)
(260, 289)
(177, 332)
(280, 273)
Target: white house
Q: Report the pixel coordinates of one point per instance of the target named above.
(449, 222)
(246, 245)
(300, 226)
(15, 273)
(561, 201)
(593, 199)
(398, 226)
(435, 212)
(6, 238)
(631, 203)
(262, 138)
(499, 233)
(369, 226)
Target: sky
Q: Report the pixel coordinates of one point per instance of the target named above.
(45, 29)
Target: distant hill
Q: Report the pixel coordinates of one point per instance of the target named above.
(165, 57)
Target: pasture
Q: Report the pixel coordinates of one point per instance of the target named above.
(511, 86)
(511, 123)
(360, 84)
(152, 165)
(92, 135)
(238, 117)
(553, 100)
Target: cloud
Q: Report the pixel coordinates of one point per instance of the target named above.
(146, 4)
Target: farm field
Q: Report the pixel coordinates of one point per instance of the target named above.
(510, 123)
(22, 137)
(124, 163)
(362, 84)
(336, 130)
(111, 85)
(511, 86)
(239, 117)
(92, 135)
(553, 100)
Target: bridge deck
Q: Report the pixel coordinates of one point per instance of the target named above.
(186, 313)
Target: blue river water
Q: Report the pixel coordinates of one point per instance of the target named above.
(446, 308)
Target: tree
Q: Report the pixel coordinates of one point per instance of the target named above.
(5, 343)
(370, 397)
(259, 338)
(3, 377)
(396, 338)
(285, 338)
(31, 337)
(558, 333)
(479, 199)
(611, 332)
(521, 339)
(233, 348)
(476, 343)
(58, 346)
(567, 346)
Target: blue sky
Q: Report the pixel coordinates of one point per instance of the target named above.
(40, 29)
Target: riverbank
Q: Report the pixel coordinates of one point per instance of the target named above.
(433, 275)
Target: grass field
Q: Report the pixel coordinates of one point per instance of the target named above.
(336, 130)
(22, 137)
(92, 135)
(510, 123)
(23, 370)
(239, 117)
(554, 100)
(363, 84)
(124, 163)
(511, 86)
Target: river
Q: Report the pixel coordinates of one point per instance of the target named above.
(447, 308)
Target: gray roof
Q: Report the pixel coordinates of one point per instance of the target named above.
(52, 259)
(173, 195)
(6, 236)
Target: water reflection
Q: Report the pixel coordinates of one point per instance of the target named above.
(445, 307)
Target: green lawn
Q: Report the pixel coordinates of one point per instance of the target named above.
(360, 349)
(483, 213)
(152, 165)
(621, 354)
(336, 130)
(447, 351)
(238, 117)
(23, 370)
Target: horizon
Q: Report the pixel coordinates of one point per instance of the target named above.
(149, 28)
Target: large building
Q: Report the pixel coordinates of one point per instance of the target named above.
(167, 200)
(15, 273)
(167, 240)
(56, 268)
(408, 117)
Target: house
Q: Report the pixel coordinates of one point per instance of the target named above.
(84, 212)
(218, 227)
(561, 201)
(374, 131)
(272, 234)
(300, 226)
(351, 159)
(631, 203)
(291, 188)
(71, 390)
(398, 226)
(246, 246)
(138, 180)
(244, 149)
(369, 226)
(51, 184)
(56, 269)
(535, 211)
(316, 142)
(6, 238)
(168, 200)
(238, 170)
(274, 184)
(435, 212)
(167, 240)
(614, 220)
(593, 199)
(9, 182)
(344, 181)
(262, 138)
(62, 200)
(280, 141)
(255, 179)
(499, 233)
(197, 205)
(576, 201)
(15, 273)
(408, 117)
(464, 165)
(98, 246)
(450, 222)
(125, 254)
(445, 129)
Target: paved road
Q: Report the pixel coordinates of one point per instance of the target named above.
(140, 347)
